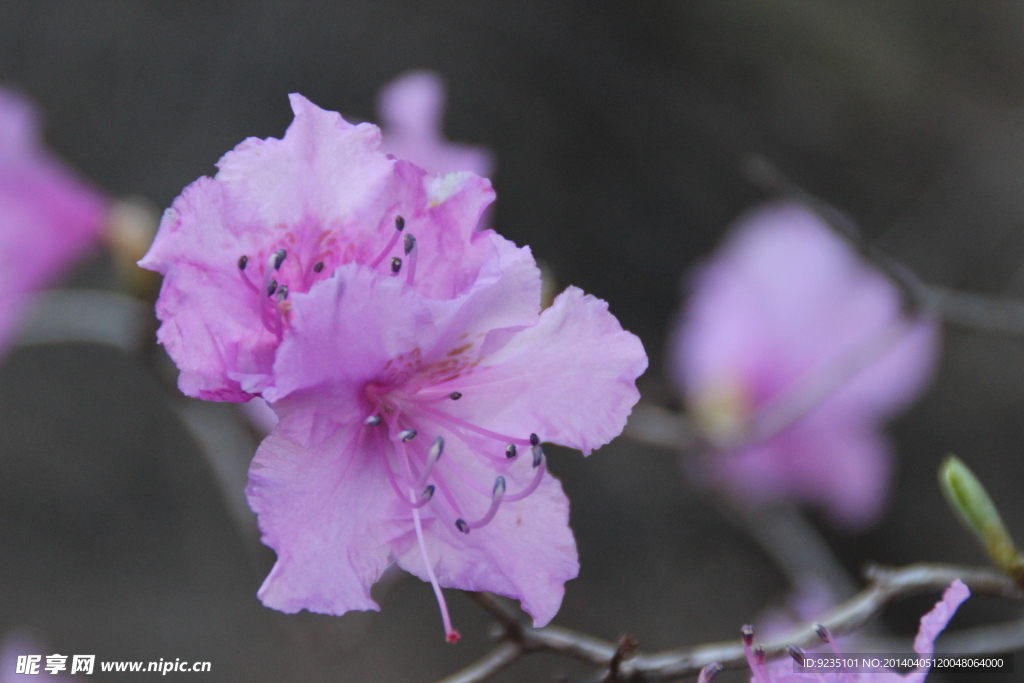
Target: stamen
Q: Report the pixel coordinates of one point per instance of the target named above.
(534, 439)
(318, 267)
(759, 654)
(451, 635)
(443, 416)
(277, 258)
(709, 672)
(538, 475)
(372, 421)
(396, 265)
(282, 293)
(399, 226)
(425, 497)
(510, 451)
(411, 248)
(756, 665)
(407, 434)
(433, 455)
(538, 456)
(271, 288)
(496, 495)
(472, 441)
(243, 262)
(796, 653)
(455, 396)
(827, 637)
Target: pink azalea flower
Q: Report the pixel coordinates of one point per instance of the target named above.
(411, 108)
(282, 215)
(410, 432)
(792, 351)
(932, 624)
(48, 216)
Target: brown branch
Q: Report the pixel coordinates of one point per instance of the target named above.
(885, 585)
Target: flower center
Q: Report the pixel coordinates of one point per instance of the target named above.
(285, 268)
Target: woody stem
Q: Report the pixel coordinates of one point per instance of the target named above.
(884, 586)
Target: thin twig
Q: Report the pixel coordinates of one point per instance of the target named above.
(660, 427)
(885, 585)
(980, 311)
(488, 665)
(795, 547)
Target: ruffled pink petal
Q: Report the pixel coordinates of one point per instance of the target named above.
(48, 216)
(569, 378)
(935, 622)
(329, 514)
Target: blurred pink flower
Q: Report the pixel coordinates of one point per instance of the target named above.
(411, 108)
(932, 624)
(282, 215)
(48, 216)
(410, 431)
(21, 644)
(791, 352)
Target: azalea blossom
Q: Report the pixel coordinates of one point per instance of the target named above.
(411, 432)
(48, 217)
(411, 108)
(792, 351)
(282, 215)
(932, 624)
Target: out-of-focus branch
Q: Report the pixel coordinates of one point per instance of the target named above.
(980, 311)
(788, 539)
(795, 547)
(885, 585)
(660, 427)
(490, 664)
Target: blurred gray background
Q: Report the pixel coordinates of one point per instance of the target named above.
(619, 129)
